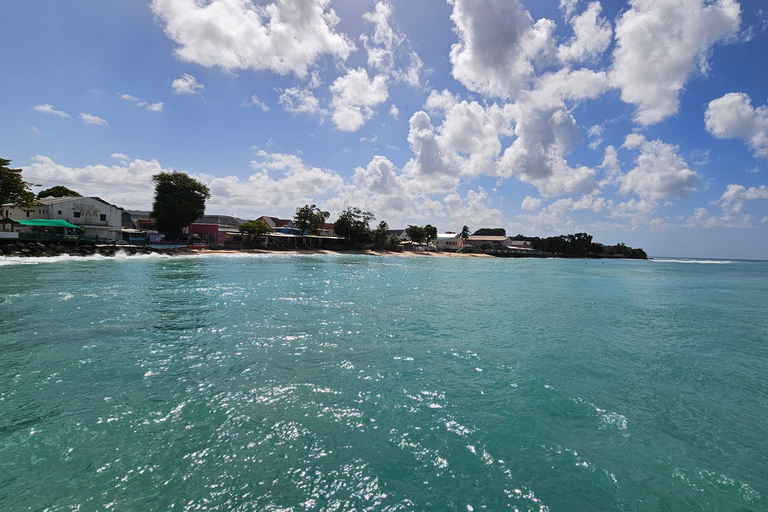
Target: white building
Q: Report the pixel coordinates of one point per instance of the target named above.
(449, 242)
(96, 216)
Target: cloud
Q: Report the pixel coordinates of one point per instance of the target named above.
(474, 209)
(385, 39)
(152, 107)
(591, 36)
(732, 204)
(354, 96)
(379, 177)
(187, 84)
(638, 212)
(531, 203)
(733, 117)
(595, 132)
(119, 156)
(567, 7)
(394, 111)
(45, 108)
(660, 172)
(430, 171)
(278, 184)
(91, 119)
(546, 133)
(254, 101)
(498, 44)
(660, 43)
(300, 101)
(284, 36)
(128, 185)
(388, 47)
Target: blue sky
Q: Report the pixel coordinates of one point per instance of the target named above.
(642, 122)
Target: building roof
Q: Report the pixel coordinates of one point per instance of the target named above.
(447, 236)
(49, 223)
(221, 220)
(56, 200)
(487, 238)
(274, 222)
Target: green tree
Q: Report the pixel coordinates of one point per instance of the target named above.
(352, 225)
(381, 237)
(13, 189)
(179, 200)
(430, 233)
(491, 232)
(254, 228)
(415, 234)
(464, 233)
(310, 219)
(58, 191)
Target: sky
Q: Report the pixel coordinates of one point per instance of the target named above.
(642, 121)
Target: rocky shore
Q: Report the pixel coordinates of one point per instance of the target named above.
(42, 249)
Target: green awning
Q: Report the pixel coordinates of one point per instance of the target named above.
(54, 223)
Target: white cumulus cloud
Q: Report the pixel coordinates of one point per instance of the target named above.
(660, 43)
(284, 36)
(498, 44)
(187, 84)
(591, 36)
(660, 172)
(354, 96)
(733, 117)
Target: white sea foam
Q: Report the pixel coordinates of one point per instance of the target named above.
(704, 262)
(64, 258)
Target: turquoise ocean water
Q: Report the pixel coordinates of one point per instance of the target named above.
(345, 382)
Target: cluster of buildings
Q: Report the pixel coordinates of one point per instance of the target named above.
(93, 218)
(96, 219)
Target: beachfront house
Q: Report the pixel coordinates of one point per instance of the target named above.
(216, 229)
(488, 242)
(284, 226)
(96, 216)
(522, 246)
(449, 242)
(400, 234)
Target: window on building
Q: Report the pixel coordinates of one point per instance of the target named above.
(76, 215)
(103, 217)
(27, 213)
(59, 212)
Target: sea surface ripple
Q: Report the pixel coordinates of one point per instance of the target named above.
(352, 382)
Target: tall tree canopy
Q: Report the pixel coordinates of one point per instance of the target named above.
(430, 233)
(179, 200)
(381, 236)
(255, 227)
(491, 232)
(352, 224)
(464, 233)
(13, 189)
(310, 219)
(58, 191)
(415, 234)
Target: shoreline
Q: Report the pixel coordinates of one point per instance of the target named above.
(45, 250)
(41, 250)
